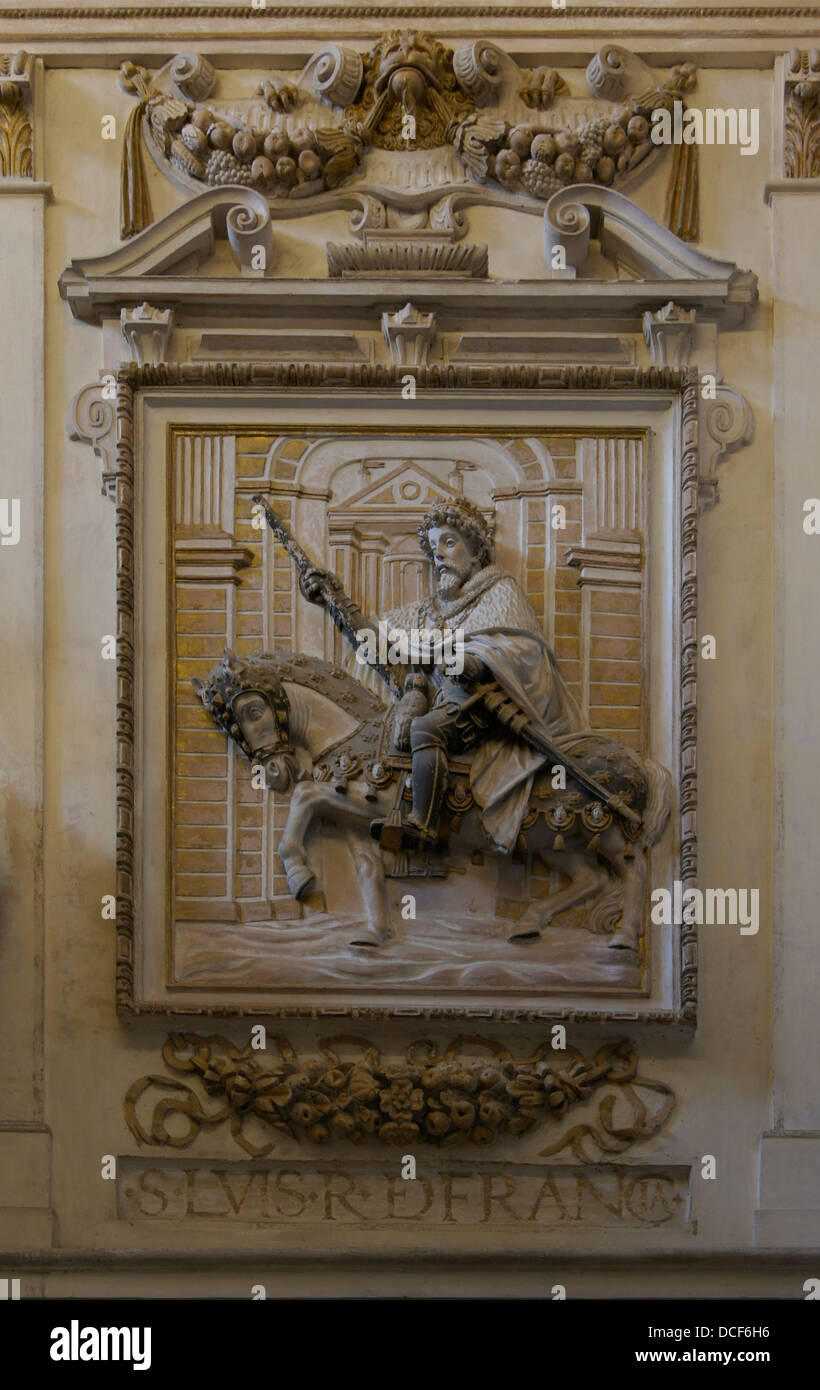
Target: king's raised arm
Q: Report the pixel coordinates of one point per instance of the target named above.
(323, 587)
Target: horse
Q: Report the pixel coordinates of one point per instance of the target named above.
(321, 736)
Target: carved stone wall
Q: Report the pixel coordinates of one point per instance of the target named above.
(557, 386)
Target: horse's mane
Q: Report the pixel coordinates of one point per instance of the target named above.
(314, 673)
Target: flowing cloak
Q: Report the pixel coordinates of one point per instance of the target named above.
(502, 630)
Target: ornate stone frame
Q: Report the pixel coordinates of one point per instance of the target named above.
(654, 381)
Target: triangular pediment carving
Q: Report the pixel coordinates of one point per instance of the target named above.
(408, 484)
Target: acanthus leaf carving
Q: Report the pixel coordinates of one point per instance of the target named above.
(801, 127)
(15, 117)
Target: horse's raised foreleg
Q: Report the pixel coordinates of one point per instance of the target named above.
(587, 877)
(313, 801)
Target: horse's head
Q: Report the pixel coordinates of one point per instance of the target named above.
(247, 700)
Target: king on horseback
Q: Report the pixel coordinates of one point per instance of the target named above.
(494, 737)
(508, 668)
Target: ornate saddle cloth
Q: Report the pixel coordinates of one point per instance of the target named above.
(369, 752)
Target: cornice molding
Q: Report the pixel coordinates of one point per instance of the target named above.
(658, 267)
(714, 34)
(541, 12)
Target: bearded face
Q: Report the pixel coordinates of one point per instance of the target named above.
(454, 558)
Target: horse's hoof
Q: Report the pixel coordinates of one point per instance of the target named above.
(619, 942)
(300, 880)
(525, 934)
(367, 938)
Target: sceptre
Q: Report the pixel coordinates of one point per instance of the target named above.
(322, 587)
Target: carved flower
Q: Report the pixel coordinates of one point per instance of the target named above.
(401, 1099)
(682, 77)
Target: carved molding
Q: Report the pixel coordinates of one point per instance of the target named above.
(92, 419)
(16, 140)
(157, 264)
(409, 335)
(669, 334)
(607, 564)
(212, 562)
(728, 425)
(147, 332)
(685, 13)
(443, 1098)
(690, 445)
(630, 237)
(237, 215)
(801, 117)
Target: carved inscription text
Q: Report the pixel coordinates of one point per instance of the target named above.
(287, 1194)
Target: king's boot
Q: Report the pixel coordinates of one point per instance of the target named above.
(419, 830)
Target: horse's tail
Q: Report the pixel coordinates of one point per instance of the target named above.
(604, 916)
(658, 802)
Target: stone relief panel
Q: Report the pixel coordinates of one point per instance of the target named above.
(298, 872)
